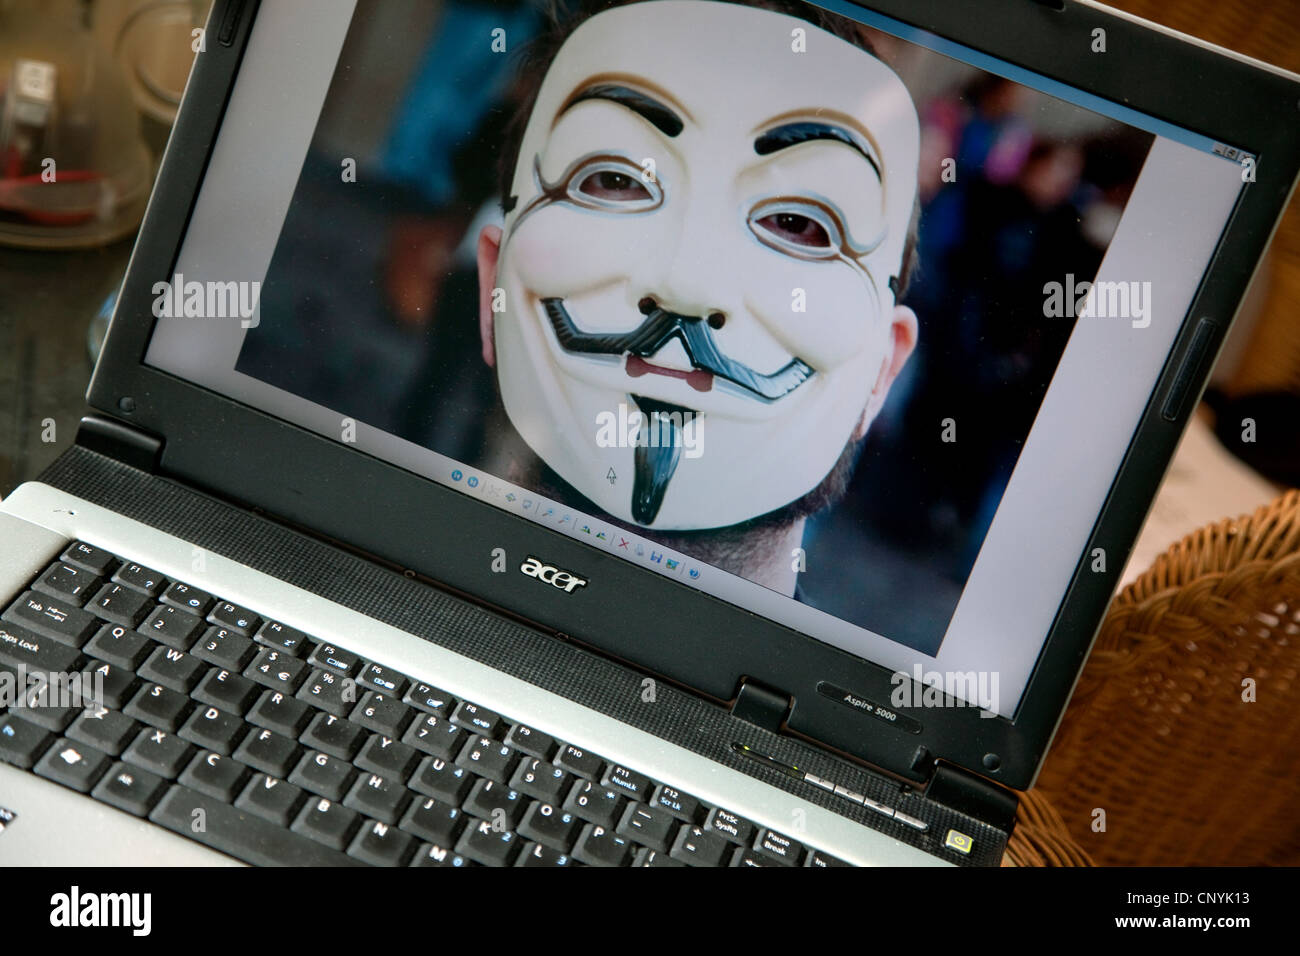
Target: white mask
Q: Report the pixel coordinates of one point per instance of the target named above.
(710, 203)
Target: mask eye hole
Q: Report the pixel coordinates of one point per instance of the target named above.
(614, 184)
(798, 228)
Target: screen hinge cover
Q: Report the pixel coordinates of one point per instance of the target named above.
(761, 706)
(120, 442)
(974, 796)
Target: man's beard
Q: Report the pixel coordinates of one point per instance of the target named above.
(743, 549)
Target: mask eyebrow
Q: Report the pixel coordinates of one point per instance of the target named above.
(807, 131)
(658, 114)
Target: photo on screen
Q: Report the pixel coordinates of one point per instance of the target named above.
(749, 279)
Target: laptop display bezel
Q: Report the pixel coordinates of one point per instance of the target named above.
(690, 638)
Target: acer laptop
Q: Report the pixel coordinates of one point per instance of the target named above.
(640, 434)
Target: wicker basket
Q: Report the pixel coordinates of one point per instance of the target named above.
(1162, 734)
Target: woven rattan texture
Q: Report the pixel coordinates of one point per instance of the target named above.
(1162, 733)
(527, 654)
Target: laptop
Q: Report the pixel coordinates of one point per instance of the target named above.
(640, 434)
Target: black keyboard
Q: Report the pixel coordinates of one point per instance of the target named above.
(254, 739)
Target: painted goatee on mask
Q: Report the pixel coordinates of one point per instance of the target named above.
(710, 204)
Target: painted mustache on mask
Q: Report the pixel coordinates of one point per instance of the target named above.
(661, 326)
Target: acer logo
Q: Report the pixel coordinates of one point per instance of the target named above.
(552, 575)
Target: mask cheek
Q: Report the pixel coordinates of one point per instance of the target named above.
(825, 313)
(559, 251)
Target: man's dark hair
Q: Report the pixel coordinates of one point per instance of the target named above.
(562, 17)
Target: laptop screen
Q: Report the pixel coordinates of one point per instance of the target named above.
(839, 321)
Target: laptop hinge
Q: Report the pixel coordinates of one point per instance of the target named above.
(120, 442)
(974, 796)
(760, 705)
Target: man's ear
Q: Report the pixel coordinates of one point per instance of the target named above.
(903, 331)
(489, 251)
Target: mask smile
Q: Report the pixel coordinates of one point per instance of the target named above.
(659, 328)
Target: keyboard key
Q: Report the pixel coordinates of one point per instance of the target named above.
(819, 859)
(228, 691)
(108, 730)
(271, 799)
(52, 716)
(326, 822)
(545, 781)
(163, 753)
(187, 598)
(647, 826)
(384, 679)
(594, 803)
(380, 844)
(20, 647)
(214, 729)
(649, 857)
(388, 757)
(681, 805)
(277, 670)
(778, 847)
(334, 735)
(130, 788)
(239, 619)
(73, 764)
(697, 847)
(330, 692)
(729, 826)
(476, 719)
(379, 798)
(549, 825)
(284, 638)
(159, 707)
(90, 557)
(532, 742)
(108, 683)
(382, 713)
(534, 854)
(214, 774)
(241, 834)
(597, 846)
(66, 582)
(430, 854)
(429, 699)
(323, 774)
(496, 803)
(224, 648)
(436, 736)
(430, 819)
(628, 782)
(120, 604)
(272, 753)
(21, 741)
(578, 761)
(141, 578)
(750, 858)
(332, 658)
(441, 780)
(173, 627)
(487, 758)
(52, 617)
(120, 646)
(281, 713)
(484, 844)
(174, 669)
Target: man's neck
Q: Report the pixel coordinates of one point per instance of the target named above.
(776, 570)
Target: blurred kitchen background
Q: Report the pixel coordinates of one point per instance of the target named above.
(94, 86)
